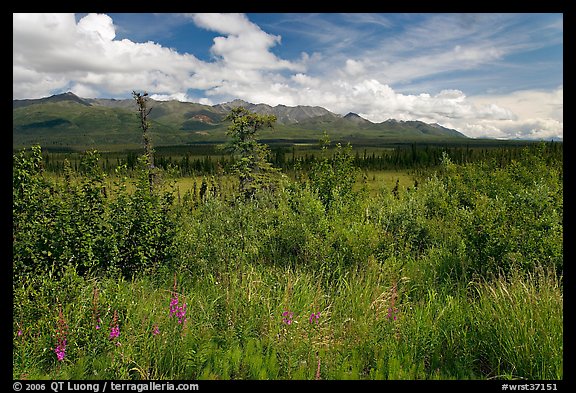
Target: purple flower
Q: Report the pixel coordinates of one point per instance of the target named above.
(60, 350)
(181, 314)
(115, 329)
(174, 305)
(314, 317)
(114, 332)
(155, 330)
(61, 333)
(179, 311)
(287, 317)
(19, 332)
(392, 311)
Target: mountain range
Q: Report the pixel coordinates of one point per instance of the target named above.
(68, 121)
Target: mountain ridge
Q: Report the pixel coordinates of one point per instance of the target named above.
(63, 120)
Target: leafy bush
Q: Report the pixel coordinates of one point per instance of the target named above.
(83, 224)
(457, 277)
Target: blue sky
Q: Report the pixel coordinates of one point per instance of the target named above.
(487, 75)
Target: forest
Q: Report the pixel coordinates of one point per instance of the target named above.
(297, 269)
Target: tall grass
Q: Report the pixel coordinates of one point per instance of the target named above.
(235, 329)
(422, 284)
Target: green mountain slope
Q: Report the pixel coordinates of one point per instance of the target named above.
(68, 121)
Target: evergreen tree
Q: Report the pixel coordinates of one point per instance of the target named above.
(252, 167)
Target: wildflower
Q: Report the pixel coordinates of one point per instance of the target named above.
(114, 329)
(61, 350)
(179, 311)
(174, 305)
(114, 332)
(155, 329)
(61, 333)
(175, 309)
(314, 317)
(287, 317)
(19, 333)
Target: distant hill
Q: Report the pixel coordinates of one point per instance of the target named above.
(66, 120)
(52, 99)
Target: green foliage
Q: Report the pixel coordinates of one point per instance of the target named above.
(83, 224)
(253, 169)
(332, 177)
(459, 277)
(143, 112)
(511, 215)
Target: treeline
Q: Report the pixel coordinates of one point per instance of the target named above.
(185, 165)
(210, 160)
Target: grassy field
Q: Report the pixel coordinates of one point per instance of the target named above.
(458, 278)
(374, 181)
(251, 322)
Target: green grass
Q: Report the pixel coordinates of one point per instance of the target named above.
(235, 330)
(459, 278)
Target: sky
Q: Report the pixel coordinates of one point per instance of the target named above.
(486, 75)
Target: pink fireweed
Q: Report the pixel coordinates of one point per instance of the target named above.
(314, 317)
(61, 333)
(114, 332)
(176, 310)
(60, 350)
(173, 305)
(114, 328)
(155, 329)
(287, 317)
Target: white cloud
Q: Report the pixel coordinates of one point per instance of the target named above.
(245, 45)
(538, 114)
(529, 103)
(354, 67)
(232, 24)
(305, 80)
(379, 102)
(84, 91)
(182, 97)
(494, 116)
(530, 128)
(98, 24)
(53, 53)
(205, 101)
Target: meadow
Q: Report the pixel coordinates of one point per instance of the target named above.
(443, 268)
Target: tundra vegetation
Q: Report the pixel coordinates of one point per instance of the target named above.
(308, 276)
